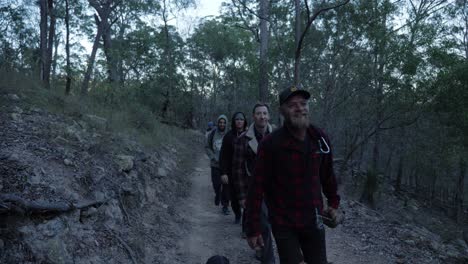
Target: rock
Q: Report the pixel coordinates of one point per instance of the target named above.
(162, 172)
(18, 110)
(56, 251)
(61, 140)
(124, 162)
(13, 97)
(96, 121)
(67, 162)
(99, 196)
(72, 132)
(14, 157)
(400, 261)
(113, 214)
(89, 212)
(410, 242)
(51, 228)
(16, 116)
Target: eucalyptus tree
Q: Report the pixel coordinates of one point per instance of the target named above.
(223, 61)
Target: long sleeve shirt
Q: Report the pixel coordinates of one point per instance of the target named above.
(290, 175)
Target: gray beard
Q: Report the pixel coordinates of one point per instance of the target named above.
(298, 122)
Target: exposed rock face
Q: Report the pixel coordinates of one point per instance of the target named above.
(60, 160)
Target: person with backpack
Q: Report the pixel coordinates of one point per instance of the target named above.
(294, 165)
(238, 126)
(213, 148)
(243, 162)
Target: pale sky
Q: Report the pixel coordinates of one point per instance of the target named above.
(187, 20)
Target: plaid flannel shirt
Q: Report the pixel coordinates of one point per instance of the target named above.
(291, 178)
(243, 160)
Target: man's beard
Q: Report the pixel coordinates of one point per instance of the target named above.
(298, 122)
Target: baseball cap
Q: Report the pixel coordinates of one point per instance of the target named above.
(290, 91)
(217, 260)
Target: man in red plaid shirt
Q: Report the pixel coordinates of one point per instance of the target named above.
(294, 165)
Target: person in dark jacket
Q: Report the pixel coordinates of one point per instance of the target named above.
(217, 259)
(238, 126)
(294, 165)
(214, 140)
(243, 161)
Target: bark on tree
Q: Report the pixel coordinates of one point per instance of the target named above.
(297, 38)
(103, 10)
(460, 191)
(109, 53)
(399, 175)
(50, 44)
(67, 48)
(43, 39)
(89, 70)
(264, 39)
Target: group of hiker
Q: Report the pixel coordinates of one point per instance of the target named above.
(274, 179)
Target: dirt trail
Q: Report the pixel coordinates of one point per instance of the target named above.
(211, 233)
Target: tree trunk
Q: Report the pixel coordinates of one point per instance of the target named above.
(54, 61)
(109, 52)
(399, 175)
(264, 37)
(89, 70)
(460, 191)
(298, 32)
(67, 48)
(50, 44)
(170, 69)
(43, 40)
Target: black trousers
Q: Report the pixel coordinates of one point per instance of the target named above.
(221, 190)
(297, 245)
(234, 198)
(268, 254)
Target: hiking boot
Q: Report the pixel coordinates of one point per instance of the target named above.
(225, 210)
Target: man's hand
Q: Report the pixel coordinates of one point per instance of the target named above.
(242, 203)
(332, 217)
(224, 179)
(331, 212)
(255, 242)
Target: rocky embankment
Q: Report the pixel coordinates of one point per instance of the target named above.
(71, 192)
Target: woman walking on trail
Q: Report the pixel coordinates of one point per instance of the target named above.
(238, 126)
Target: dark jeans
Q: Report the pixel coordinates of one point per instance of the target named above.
(296, 245)
(234, 199)
(221, 190)
(268, 255)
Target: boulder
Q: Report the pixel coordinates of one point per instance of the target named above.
(162, 172)
(72, 132)
(16, 116)
(13, 97)
(124, 162)
(67, 162)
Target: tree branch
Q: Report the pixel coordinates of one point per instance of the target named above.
(309, 23)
